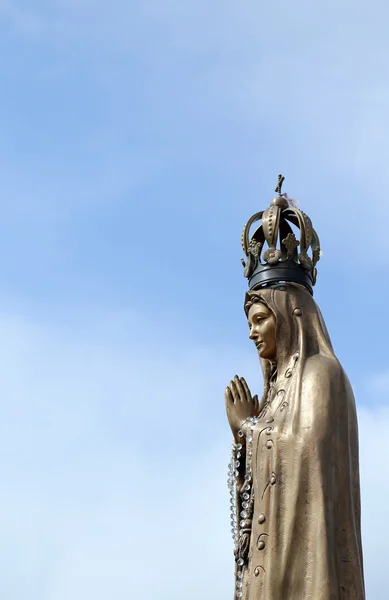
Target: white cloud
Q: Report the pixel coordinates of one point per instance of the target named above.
(374, 456)
(90, 489)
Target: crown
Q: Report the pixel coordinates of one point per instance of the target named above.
(274, 254)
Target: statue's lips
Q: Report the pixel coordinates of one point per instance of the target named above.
(258, 344)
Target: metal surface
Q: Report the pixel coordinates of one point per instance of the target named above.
(273, 247)
(295, 465)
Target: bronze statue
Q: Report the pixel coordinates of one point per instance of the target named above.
(294, 473)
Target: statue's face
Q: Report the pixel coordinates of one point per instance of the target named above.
(262, 323)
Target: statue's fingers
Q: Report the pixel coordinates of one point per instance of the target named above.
(240, 389)
(256, 403)
(228, 397)
(246, 389)
(234, 391)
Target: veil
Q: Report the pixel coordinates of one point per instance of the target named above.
(305, 463)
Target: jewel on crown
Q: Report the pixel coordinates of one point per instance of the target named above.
(273, 252)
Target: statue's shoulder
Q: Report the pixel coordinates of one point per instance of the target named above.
(321, 373)
(321, 363)
(325, 392)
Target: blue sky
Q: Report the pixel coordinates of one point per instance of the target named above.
(135, 141)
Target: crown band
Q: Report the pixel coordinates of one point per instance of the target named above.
(289, 272)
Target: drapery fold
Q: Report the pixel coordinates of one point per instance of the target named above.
(305, 539)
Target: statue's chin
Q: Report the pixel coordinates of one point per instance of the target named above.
(265, 356)
(262, 352)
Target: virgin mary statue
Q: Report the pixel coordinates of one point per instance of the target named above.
(294, 473)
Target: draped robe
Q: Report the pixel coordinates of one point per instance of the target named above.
(305, 537)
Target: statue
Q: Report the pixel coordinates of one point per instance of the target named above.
(294, 472)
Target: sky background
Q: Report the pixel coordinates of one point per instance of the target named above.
(136, 138)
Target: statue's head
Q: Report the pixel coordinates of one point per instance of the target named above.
(262, 324)
(282, 319)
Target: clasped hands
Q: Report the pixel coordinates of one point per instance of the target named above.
(239, 404)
